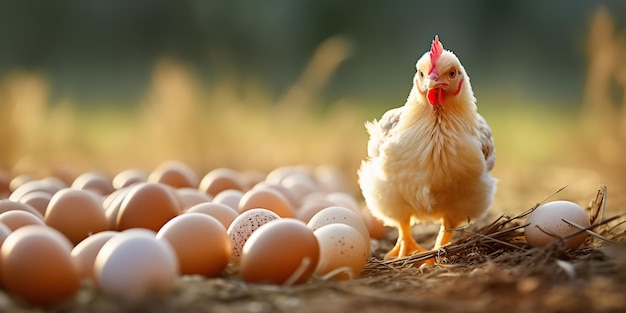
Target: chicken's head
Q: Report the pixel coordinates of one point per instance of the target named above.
(440, 75)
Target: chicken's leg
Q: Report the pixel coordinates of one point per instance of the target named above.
(405, 245)
(445, 234)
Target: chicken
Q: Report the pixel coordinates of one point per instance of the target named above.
(430, 159)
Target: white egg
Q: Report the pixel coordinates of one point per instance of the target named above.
(549, 219)
(343, 252)
(134, 263)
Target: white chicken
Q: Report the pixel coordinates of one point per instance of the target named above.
(431, 158)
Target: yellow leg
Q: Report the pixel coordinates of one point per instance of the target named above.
(405, 245)
(445, 235)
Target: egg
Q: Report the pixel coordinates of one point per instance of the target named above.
(191, 196)
(16, 219)
(375, 227)
(229, 197)
(50, 185)
(280, 252)
(9, 205)
(266, 198)
(37, 266)
(200, 242)
(129, 177)
(38, 200)
(112, 204)
(95, 182)
(343, 199)
(299, 185)
(549, 217)
(338, 214)
(20, 180)
(220, 179)
(76, 213)
(84, 253)
(134, 263)
(244, 225)
(343, 252)
(175, 174)
(310, 207)
(147, 205)
(223, 213)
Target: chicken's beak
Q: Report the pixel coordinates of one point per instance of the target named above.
(435, 94)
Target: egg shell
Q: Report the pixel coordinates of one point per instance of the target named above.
(5, 181)
(343, 252)
(229, 197)
(17, 219)
(147, 205)
(112, 204)
(220, 179)
(191, 196)
(266, 198)
(338, 214)
(50, 185)
(134, 263)
(549, 217)
(280, 252)
(375, 227)
(84, 253)
(299, 185)
(9, 205)
(244, 226)
(223, 213)
(200, 242)
(76, 213)
(309, 208)
(20, 180)
(37, 266)
(38, 200)
(175, 174)
(129, 177)
(344, 199)
(95, 182)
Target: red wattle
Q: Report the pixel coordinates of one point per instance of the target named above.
(436, 96)
(432, 95)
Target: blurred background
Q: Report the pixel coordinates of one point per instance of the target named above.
(111, 85)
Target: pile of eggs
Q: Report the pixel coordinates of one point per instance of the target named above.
(138, 232)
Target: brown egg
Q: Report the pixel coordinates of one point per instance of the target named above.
(37, 266)
(266, 198)
(17, 219)
(8, 205)
(4, 232)
(112, 204)
(84, 253)
(218, 180)
(147, 205)
(174, 173)
(245, 225)
(229, 197)
(375, 226)
(282, 190)
(20, 180)
(129, 177)
(311, 207)
(94, 182)
(5, 181)
(50, 185)
(223, 213)
(200, 242)
(191, 196)
(38, 200)
(76, 213)
(280, 252)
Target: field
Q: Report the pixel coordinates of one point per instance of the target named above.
(488, 268)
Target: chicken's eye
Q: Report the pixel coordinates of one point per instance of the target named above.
(452, 73)
(421, 74)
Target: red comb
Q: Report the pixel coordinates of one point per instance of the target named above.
(435, 51)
